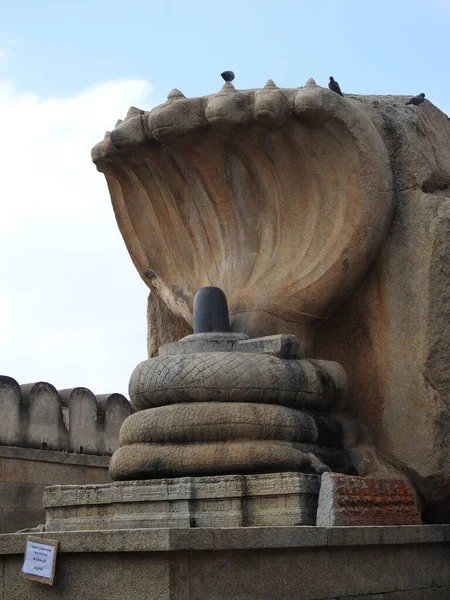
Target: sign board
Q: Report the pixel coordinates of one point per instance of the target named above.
(40, 559)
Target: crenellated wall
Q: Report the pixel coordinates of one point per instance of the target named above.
(36, 415)
(50, 437)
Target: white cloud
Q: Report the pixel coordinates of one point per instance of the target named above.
(72, 306)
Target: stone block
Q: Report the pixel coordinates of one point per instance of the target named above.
(35, 418)
(389, 568)
(94, 577)
(269, 537)
(192, 539)
(203, 342)
(59, 474)
(428, 533)
(268, 574)
(22, 481)
(410, 534)
(253, 563)
(345, 500)
(45, 418)
(230, 501)
(54, 456)
(115, 409)
(21, 495)
(16, 470)
(282, 346)
(10, 417)
(16, 519)
(441, 593)
(82, 420)
(357, 536)
(93, 475)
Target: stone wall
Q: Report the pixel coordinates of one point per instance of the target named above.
(36, 415)
(50, 437)
(24, 473)
(298, 563)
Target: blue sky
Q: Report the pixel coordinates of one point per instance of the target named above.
(388, 46)
(72, 307)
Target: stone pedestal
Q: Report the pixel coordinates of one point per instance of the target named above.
(246, 563)
(276, 499)
(346, 501)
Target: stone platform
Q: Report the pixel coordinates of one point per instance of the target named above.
(281, 499)
(253, 563)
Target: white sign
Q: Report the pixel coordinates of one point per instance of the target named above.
(40, 559)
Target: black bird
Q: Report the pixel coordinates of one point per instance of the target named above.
(334, 87)
(227, 75)
(416, 100)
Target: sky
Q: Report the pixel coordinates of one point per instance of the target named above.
(72, 306)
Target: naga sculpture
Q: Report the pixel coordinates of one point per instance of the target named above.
(219, 403)
(321, 217)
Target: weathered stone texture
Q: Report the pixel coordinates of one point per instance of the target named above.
(226, 208)
(228, 501)
(235, 377)
(45, 427)
(345, 501)
(163, 326)
(10, 397)
(45, 438)
(147, 461)
(24, 473)
(114, 411)
(85, 576)
(36, 415)
(290, 563)
(322, 216)
(218, 410)
(393, 334)
(280, 346)
(226, 421)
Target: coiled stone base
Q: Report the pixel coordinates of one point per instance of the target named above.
(236, 377)
(231, 412)
(229, 421)
(148, 461)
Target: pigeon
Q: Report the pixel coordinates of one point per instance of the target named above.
(227, 75)
(334, 87)
(416, 100)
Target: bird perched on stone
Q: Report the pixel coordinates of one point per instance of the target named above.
(416, 100)
(334, 86)
(227, 75)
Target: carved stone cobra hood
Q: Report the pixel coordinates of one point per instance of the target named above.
(280, 197)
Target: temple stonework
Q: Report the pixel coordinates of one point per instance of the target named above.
(318, 216)
(52, 437)
(290, 431)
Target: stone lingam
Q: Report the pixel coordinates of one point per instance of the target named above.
(242, 427)
(218, 403)
(277, 230)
